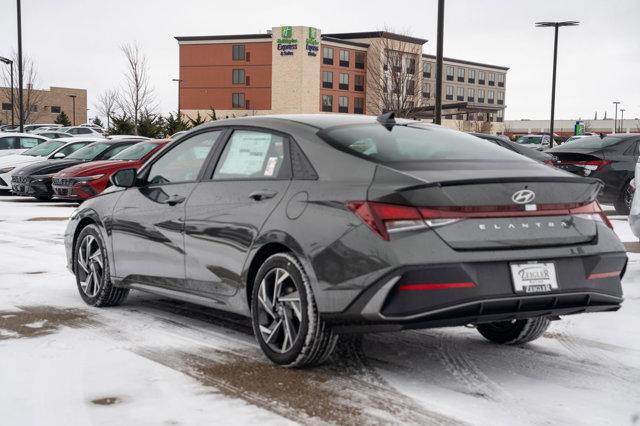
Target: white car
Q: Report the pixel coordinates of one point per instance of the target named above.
(142, 138)
(28, 128)
(83, 131)
(17, 143)
(52, 149)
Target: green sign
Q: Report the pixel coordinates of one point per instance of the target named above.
(286, 43)
(579, 128)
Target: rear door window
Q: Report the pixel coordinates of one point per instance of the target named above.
(251, 155)
(28, 143)
(8, 143)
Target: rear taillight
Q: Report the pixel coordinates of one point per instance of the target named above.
(385, 219)
(593, 165)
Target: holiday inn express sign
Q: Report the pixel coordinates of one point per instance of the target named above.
(286, 43)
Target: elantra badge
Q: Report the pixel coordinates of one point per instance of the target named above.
(524, 196)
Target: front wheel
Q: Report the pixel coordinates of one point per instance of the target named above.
(514, 332)
(285, 318)
(91, 266)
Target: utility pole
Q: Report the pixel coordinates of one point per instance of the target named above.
(179, 81)
(615, 120)
(622, 121)
(20, 100)
(439, 46)
(13, 104)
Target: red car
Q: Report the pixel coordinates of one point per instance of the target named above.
(90, 179)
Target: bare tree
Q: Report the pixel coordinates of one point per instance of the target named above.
(32, 98)
(393, 67)
(137, 96)
(107, 104)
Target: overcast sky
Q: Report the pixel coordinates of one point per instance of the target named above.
(76, 43)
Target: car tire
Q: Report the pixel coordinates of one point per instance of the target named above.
(623, 203)
(285, 317)
(514, 332)
(43, 197)
(91, 267)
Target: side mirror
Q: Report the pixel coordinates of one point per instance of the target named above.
(125, 178)
(59, 155)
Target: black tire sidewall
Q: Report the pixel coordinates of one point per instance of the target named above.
(502, 336)
(282, 261)
(105, 282)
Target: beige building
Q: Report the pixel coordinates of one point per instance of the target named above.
(43, 106)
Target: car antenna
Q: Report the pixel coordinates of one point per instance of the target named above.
(388, 120)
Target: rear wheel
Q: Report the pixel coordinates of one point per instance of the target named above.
(623, 203)
(285, 318)
(91, 266)
(514, 332)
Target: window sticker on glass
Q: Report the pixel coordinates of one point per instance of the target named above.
(271, 166)
(247, 152)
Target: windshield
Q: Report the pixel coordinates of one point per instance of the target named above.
(595, 142)
(136, 151)
(43, 149)
(529, 140)
(412, 143)
(63, 129)
(90, 152)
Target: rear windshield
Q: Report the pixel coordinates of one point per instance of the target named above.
(136, 152)
(90, 152)
(43, 149)
(529, 140)
(411, 143)
(594, 142)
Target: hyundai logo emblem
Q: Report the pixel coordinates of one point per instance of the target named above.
(524, 196)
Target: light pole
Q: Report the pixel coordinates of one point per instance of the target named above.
(439, 44)
(13, 105)
(622, 120)
(179, 82)
(73, 97)
(21, 116)
(615, 120)
(554, 25)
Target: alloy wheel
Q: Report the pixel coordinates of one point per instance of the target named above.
(90, 266)
(628, 196)
(279, 310)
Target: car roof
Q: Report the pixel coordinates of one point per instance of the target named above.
(319, 121)
(5, 134)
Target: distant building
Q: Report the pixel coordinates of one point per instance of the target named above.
(565, 128)
(43, 106)
(299, 70)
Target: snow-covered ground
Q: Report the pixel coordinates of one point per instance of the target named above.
(155, 361)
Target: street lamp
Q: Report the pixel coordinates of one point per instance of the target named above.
(615, 120)
(20, 97)
(622, 121)
(555, 25)
(179, 81)
(74, 108)
(439, 44)
(10, 63)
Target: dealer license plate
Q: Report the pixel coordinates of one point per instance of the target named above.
(534, 277)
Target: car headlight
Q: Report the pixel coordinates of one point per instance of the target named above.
(6, 170)
(88, 178)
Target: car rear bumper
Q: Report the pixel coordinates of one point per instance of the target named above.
(585, 284)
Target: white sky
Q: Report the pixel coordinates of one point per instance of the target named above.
(75, 43)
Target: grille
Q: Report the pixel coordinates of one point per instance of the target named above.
(63, 182)
(19, 179)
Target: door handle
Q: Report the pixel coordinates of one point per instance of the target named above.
(262, 195)
(174, 199)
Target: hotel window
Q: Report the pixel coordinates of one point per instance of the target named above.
(238, 76)
(344, 58)
(344, 82)
(327, 79)
(471, 94)
(449, 95)
(491, 96)
(460, 96)
(426, 90)
(461, 75)
(411, 87)
(472, 76)
(238, 52)
(327, 55)
(55, 109)
(237, 100)
(410, 65)
(359, 83)
(500, 80)
(450, 73)
(327, 103)
(500, 115)
(426, 69)
(492, 79)
(358, 105)
(343, 104)
(6, 106)
(359, 60)
(500, 98)
(480, 77)
(481, 95)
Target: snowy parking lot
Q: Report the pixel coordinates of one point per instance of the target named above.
(154, 361)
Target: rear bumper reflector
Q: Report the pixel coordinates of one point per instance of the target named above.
(604, 275)
(439, 286)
